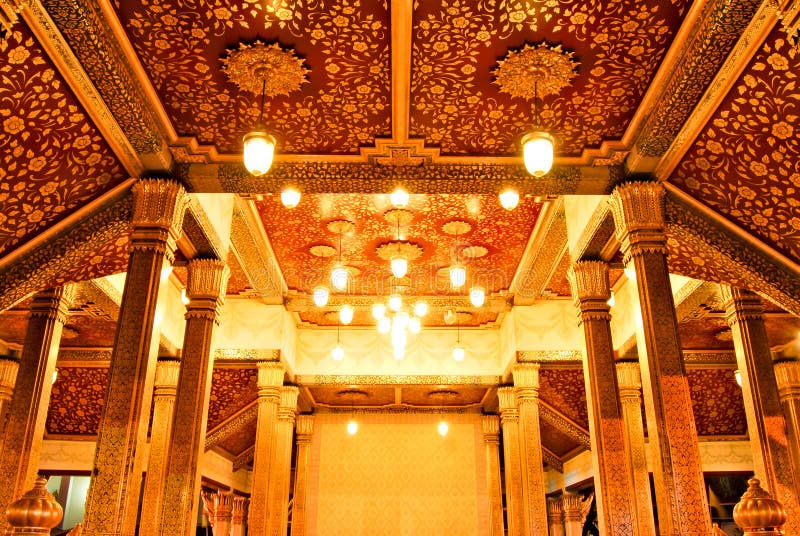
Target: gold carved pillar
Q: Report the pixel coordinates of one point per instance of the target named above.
(113, 496)
(27, 412)
(629, 381)
(491, 438)
(165, 386)
(788, 376)
(575, 510)
(8, 377)
(305, 431)
(682, 504)
(526, 389)
(509, 419)
(555, 516)
(205, 288)
(238, 515)
(281, 463)
(766, 424)
(613, 470)
(270, 380)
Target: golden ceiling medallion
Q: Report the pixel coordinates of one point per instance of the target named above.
(474, 252)
(456, 227)
(353, 394)
(399, 216)
(535, 71)
(322, 251)
(443, 393)
(409, 250)
(252, 67)
(340, 226)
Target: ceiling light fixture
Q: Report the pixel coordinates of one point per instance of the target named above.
(346, 314)
(443, 428)
(420, 308)
(337, 353)
(477, 295)
(340, 275)
(399, 198)
(352, 427)
(458, 275)
(399, 262)
(290, 197)
(509, 199)
(378, 310)
(459, 353)
(321, 295)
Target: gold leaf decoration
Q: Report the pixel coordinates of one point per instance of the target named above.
(257, 66)
(535, 71)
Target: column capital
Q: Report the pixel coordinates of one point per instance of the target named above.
(787, 373)
(740, 304)
(639, 217)
(555, 508)
(238, 509)
(159, 206)
(573, 505)
(53, 303)
(589, 281)
(304, 426)
(8, 376)
(205, 287)
(167, 373)
(508, 403)
(526, 382)
(270, 379)
(629, 376)
(288, 404)
(491, 427)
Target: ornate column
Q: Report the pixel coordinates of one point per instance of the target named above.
(555, 516)
(491, 437)
(281, 463)
(113, 496)
(682, 504)
(613, 470)
(270, 380)
(205, 288)
(305, 431)
(164, 390)
(630, 385)
(766, 425)
(8, 377)
(575, 510)
(238, 515)
(27, 412)
(788, 376)
(526, 389)
(509, 419)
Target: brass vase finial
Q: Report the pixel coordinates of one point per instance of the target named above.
(36, 512)
(758, 513)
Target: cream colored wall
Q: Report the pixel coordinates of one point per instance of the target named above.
(397, 476)
(219, 210)
(579, 209)
(251, 325)
(547, 325)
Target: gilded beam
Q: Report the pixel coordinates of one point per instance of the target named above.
(564, 424)
(231, 425)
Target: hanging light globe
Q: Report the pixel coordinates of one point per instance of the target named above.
(290, 197)
(346, 314)
(459, 353)
(421, 308)
(321, 295)
(352, 427)
(378, 310)
(401, 320)
(395, 302)
(443, 428)
(339, 277)
(399, 198)
(338, 352)
(259, 150)
(414, 325)
(509, 199)
(537, 151)
(399, 266)
(477, 295)
(384, 325)
(458, 275)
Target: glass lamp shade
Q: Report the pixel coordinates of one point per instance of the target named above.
(399, 337)
(346, 314)
(459, 353)
(420, 308)
(509, 199)
(352, 427)
(399, 266)
(401, 320)
(338, 352)
(339, 277)
(184, 297)
(399, 198)
(458, 275)
(395, 302)
(477, 295)
(414, 325)
(321, 295)
(378, 310)
(443, 428)
(612, 299)
(290, 197)
(259, 149)
(384, 325)
(537, 151)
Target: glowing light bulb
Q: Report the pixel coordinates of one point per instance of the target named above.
(612, 299)
(477, 295)
(537, 151)
(459, 353)
(321, 295)
(630, 273)
(339, 277)
(290, 197)
(399, 352)
(166, 271)
(738, 375)
(338, 352)
(55, 376)
(346, 314)
(399, 198)
(384, 325)
(509, 199)
(259, 150)
(420, 308)
(184, 298)
(443, 428)
(458, 275)
(395, 302)
(352, 427)
(378, 310)
(414, 325)
(401, 320)
(399, 266)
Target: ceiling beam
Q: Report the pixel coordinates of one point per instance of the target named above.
(563, 424)
(231, 425)
(549, 457)
(245, 458)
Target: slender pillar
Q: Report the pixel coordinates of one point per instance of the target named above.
(491, 438)
(164, 390)
(205, 288)
(638, 210)
(238, 515)
(766, 424)
(8, 377)
(574, 514)
(305, 431)
(113, 496)
(27, 412)
(629, 380)
(281, 463)
(611, 461)
(555, 516)
(788, 376)
(509, 419)
(526, 389)
(270, 380)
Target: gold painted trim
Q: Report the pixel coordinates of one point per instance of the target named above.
(395, 379)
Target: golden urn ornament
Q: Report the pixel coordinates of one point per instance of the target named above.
(36, 512)
(758, 513)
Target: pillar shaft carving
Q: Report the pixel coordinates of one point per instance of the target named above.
(788, 377)
(8, 377)
(555, 516)
(629, 382)
(491, 439)
(526, 389)
(164, 390)
(207, 282)
(113, 496)
(305, 431)
(638, 210)
(281, 463)
(613, 470)
(766, 424)
(575, 511)
(270, 380)
(509, 419)
(27, 411)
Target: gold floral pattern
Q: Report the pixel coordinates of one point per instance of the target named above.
(231, 391)
(53, 158)
(454, 104)
(76, 401)
(745, 163)
(717, 403)
(535, 72)
(565, 391)
(345, 44)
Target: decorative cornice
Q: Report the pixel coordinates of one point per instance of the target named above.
(70, 357)
(246, 354)
(53, 303)
(698, 357)
(304, 426)
(392, 379)
(544, 356)
(244, 459)
(549, 457)
(231, 425)
(566, 426)
(508, 402)
(741, 305)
